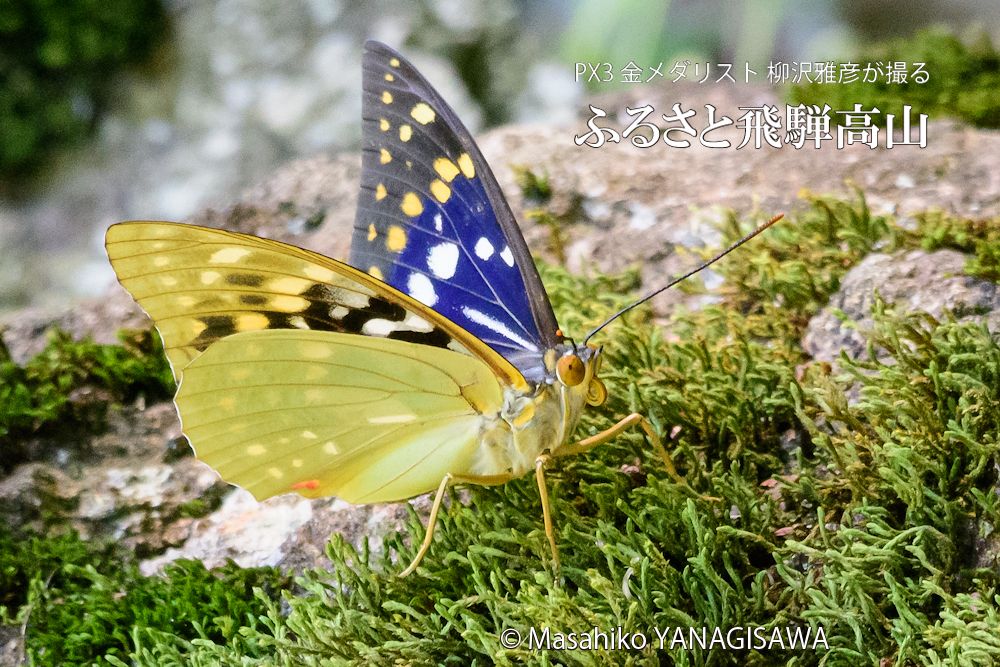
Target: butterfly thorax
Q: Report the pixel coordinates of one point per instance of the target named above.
(541, 419)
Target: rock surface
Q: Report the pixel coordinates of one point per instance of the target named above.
(913, 281)
(287, 531)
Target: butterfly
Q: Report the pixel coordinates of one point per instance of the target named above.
(433, 358)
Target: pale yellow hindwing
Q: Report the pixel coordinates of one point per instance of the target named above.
(322, 413)
(200, 285)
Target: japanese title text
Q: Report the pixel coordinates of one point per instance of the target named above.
(764, 125)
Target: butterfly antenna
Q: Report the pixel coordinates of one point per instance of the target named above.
(686, 275)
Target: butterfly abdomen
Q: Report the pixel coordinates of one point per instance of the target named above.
(529, 425)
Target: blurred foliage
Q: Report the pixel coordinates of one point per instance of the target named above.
(57, 59)
(858, 499)
(979, 238)
(68, 386)
(83, 606)
(964, 81)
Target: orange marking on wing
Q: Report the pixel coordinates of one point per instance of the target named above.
(311, 484)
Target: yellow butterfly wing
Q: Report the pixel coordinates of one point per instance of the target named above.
(200, 285)
(321, 413)
(301, 374)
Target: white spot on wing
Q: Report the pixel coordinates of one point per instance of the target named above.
(497, 326)
(438, 225)
(228, 255)
(420, 288)
(442, 260)
(392, 419)
(507, 256)
(484, 249)
(378, 327)
(416, 323)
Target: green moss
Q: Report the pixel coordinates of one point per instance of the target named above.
(964, 81)
(979, 238)
(534, 188)
(83, 606)
(69, 385)
(57, 59)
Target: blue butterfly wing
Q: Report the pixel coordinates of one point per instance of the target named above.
(432, 221)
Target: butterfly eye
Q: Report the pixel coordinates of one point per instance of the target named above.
(571, 370)
(597, 393)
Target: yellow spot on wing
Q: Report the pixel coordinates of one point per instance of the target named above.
(197, 327)
(315, 372)
(330, 448)
(446, 169)
(318, 273)
(309, 435)
(384, 124)
(289, 304)
(379, 194)
(405, 132)
(387, 97)
(228, 255)
(251, 322)
(375, 272)
(209, 277)
(289, 285)
(423, 114)
(371, 232)
(256, 450)
(465, 162)
(389, 77)
(411, 205)
(396, 240)
(440, 191)
(314, 350)
(185, 301)
(385, 158)
(394, 62)
(161, 261)
(297, 463)
(275, 473)
(227, 402)
(168, 281)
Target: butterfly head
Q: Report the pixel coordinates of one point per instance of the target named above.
(576, 368)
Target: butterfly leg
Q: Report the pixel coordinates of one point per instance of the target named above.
(609, 434)
(431, 522)
(543, 492)
(449, 479)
